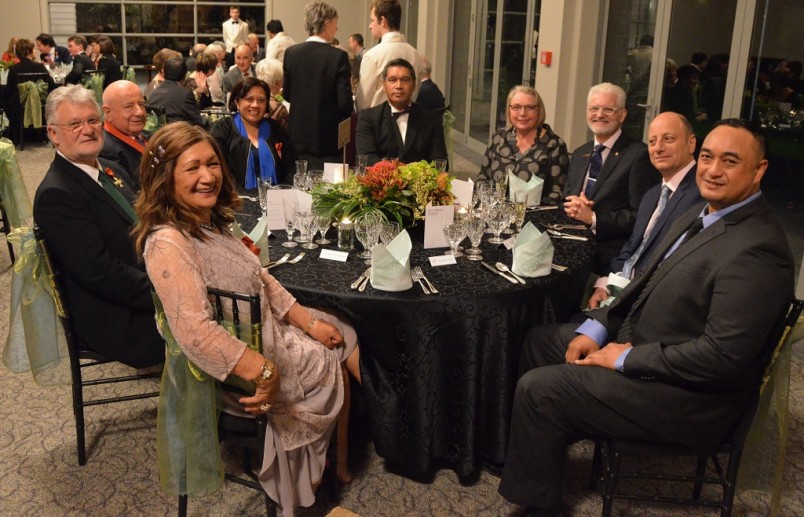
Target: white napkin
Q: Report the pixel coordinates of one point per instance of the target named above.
(390, 265)
(531, 188)
(615, 285)
(533, 253)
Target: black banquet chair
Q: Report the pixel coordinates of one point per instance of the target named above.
(82, 359)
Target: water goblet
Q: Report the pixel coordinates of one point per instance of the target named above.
(305, 220)
(290, 243)
(499, 217)
(474, 229)
(455, 233)
(512, 210)
(313, 179)
(363, 234)
(322, 224)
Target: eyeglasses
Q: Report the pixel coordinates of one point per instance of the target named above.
(527, 108)
(608, 110)
(78, 125)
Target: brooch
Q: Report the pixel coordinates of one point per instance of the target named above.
(117, 181)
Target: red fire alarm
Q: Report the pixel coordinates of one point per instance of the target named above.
(546, 57)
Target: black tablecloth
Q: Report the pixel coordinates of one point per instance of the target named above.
(439, 371)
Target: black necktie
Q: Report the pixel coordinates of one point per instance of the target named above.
(696, 227)
(401, 112)
(595, 164)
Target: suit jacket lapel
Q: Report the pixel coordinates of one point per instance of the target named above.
(672, 203)
(92, 187)
(609, 165)
(410, 134)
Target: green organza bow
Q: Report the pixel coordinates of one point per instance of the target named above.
(31, 95)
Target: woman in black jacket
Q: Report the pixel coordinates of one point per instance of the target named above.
(254, 145)
(108, 63)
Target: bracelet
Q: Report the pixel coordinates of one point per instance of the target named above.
(266, 373)
(309, 326)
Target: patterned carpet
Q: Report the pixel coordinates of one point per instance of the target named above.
(39, 474)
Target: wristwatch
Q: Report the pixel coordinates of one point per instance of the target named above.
(266, 373)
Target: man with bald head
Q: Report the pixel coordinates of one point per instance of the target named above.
(244, 57)
(123, 136)
(671, 144)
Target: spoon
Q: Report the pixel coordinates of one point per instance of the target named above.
(503, 267)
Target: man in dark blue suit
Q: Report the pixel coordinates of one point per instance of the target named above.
(399, 128)
(608, 176)
(671, 144)
(50, 53)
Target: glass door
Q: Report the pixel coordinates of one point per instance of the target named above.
(484, 68)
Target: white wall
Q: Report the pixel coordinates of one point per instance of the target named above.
(21, 19)
(353, 16)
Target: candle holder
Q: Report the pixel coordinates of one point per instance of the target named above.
(346, 234)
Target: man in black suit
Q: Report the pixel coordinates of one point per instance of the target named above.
(83, 206)
(671, 146)
(50, 53)
(608, 176)
(430, 95)
(178, 101)
(317, 86)
(15, 111)
(124, 119)
(679, 355)
(399, 128)
(81, 62)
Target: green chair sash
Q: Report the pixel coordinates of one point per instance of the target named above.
(31, 95)
(13, 194)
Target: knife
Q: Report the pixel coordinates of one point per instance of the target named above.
(494, 270)
(359, 280)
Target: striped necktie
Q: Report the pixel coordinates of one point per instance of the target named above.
(595, 164)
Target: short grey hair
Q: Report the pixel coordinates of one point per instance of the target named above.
(527, 90)
(315, 15)
(74, 94)
(608, 88)
(270, 70)
(427, 67)
(214, 48)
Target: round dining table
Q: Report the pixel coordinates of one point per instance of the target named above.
(439, 371)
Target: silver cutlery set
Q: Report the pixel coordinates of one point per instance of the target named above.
(284, 260)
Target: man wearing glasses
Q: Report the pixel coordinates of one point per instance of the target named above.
(399, 128)
(608, 176)
(83, 206)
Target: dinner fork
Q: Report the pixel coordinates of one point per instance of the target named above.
(282, 260)
(417, 276)
(420, 273)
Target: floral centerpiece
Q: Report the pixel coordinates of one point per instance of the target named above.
(398, 191)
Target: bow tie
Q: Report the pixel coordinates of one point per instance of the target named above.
(401, 112)
(235, 22)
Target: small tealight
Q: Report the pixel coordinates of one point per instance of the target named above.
(346, 234)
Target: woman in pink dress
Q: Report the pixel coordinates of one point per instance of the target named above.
(185, 209)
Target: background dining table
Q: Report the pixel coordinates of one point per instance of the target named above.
(439, 370)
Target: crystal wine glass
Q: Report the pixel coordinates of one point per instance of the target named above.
(455, 233)
(322, 223)
(388, 232)
(499, 217)
(474, 229)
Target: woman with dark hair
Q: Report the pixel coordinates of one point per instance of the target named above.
(205, 65)
(527, 146)
(185, 208)
(254, 146)
(24, 51)
(107, 62)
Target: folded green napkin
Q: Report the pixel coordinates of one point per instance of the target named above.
(390, 265)
(531, 189)
(533, 253)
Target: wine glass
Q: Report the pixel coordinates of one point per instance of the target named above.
(301, 174)
(322, 224)
(520, 207)
(313, 179)
(289, 228)
(363, 234)
(512, 210)
(455, 233)
(474, 229)
(303, 218)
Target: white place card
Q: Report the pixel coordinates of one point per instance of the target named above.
(509, 242)
(335, 172)
(435, 218)
(442, 260)
(463, 190)
(280, 204)
(338, 256)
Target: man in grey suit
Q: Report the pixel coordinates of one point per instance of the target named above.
(399, 128)
(671, 144)
(608, 176)
(680, 354)
(243, 67)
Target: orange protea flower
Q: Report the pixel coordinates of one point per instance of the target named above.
(383, 179)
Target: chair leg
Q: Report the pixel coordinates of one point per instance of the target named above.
(183, 505)
(700, 471)
(78, 411)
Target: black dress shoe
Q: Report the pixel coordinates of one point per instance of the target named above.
(530, 511)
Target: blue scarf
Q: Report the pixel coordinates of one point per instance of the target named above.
(267, 165)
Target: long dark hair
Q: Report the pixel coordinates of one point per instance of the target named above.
(157, 203)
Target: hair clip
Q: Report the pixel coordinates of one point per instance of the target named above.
(157, 157)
